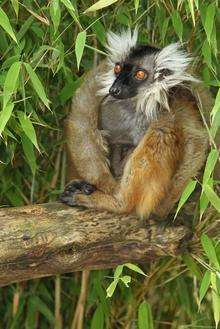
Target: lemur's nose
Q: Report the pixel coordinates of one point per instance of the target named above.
(114, 91)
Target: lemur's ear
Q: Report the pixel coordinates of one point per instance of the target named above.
(170, 70)
(171, 59)
(164, 73)
(120, 45)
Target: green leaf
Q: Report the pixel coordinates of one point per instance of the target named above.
(145, 320)
(11, 82)
(5, 115)
(99, 5)
(38, 87)
(192, 266)
(210, 165)
(207, 54)
(212, 196)
(15, 5)
(215, 124)
(42, 308)
(99, 30)
(5, 24)
(126, 279)
(111, 288)
(136, 5)
(191, 7)
(210, 250)
(215, 300)
(135, 268)
(31, 314)
(79, 46)
(204, 285)
(209, 20)
(203, 203)
(98, 318)
(28, 128)
(177, 24)
(55, 14)
(216, 107)
(164, 28)
(29, 153)
(69, 6)
(185, 195)
(118, 271)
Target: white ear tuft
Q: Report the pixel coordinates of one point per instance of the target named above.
(172, 58)
(170, 70)
(119, 45)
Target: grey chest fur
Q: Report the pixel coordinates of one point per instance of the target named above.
(121, 121)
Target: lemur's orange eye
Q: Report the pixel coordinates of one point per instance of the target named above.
(140, 75)
(117, 68)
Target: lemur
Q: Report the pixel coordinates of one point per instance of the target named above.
(135, 134)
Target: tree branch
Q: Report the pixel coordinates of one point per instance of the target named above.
(43, 240)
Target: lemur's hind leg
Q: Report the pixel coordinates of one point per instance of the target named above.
(146, 177)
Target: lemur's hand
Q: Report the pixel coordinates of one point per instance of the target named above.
(74, 188)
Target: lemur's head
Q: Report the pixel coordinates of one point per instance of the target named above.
(143, 71)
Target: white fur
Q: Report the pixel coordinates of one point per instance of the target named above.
(106, 80)
(156, 96)
(119, 45)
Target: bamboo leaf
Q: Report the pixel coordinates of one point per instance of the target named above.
(79, 46)
(210, 165)
(15, 5)
(135, 268)
(145, 320)
(212, 196)
(204, 285)
(55, 14)
(11, 82)
(215, 300)
(28, 128)
(203, 203)
(111, 288)
(118, 271)
(38, 87)
(164, 28)
(209, 20)
(207, 54)
(216, 106)
(210, 250)
(126, 279)
(69, 6)
(191, 7)
(29, 153)
(192, 266)
(185, 195)
(136, 5)
(98, 318)
(99, 5)
(42, 308)
(177, 24)
(5, 24)
(5, 115)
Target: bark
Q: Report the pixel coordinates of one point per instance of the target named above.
(43, 240)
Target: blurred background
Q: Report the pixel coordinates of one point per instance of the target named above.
(45, 48)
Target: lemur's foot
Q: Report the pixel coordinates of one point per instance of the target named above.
(74, 188)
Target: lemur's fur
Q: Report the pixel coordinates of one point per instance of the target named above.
(135, 154)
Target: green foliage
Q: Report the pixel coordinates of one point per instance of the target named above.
(45, 48)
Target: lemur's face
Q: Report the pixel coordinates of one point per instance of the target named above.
(133, 74)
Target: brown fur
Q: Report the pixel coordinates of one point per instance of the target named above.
(172, 151)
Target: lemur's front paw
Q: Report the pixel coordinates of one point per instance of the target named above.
(74, 188)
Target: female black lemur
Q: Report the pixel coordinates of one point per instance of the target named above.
(135, 134)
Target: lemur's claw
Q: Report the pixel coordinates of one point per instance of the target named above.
(74, 188)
